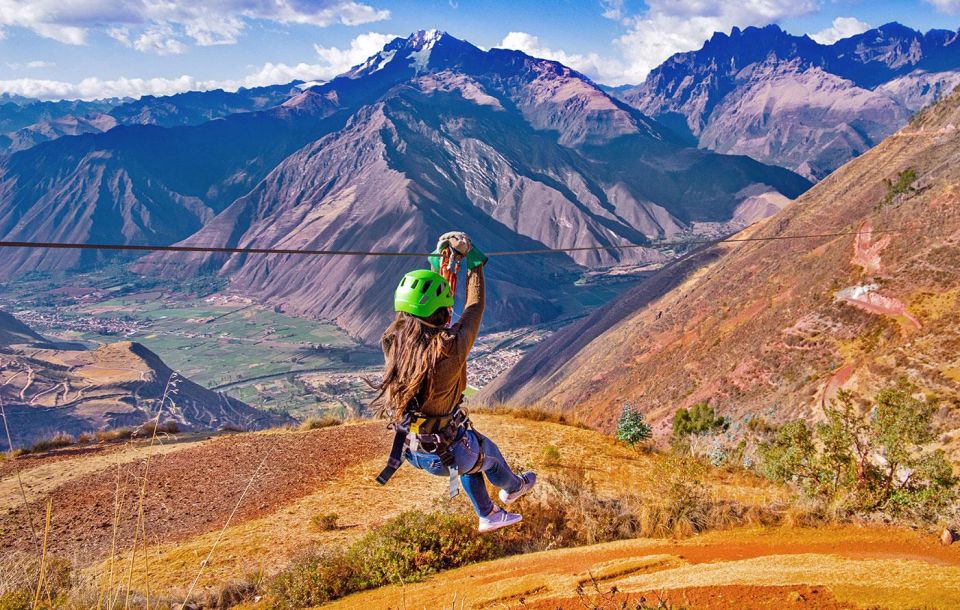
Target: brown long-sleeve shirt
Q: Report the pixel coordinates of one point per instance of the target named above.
(450, 377)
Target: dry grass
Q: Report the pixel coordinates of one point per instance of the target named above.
(317, 423)
(532, 414)
(150, 428)
(116, 434)
(56, 441)
(325, 522)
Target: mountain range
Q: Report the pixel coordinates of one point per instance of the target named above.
(775, 327)
(428, 134)
(25, 122)
(790, 101)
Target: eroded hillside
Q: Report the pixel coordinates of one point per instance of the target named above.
(50, 388)
(776, 327)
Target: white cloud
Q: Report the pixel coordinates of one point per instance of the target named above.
(591, 64)
(331, 62)
(951, 7)
(671, 26)
(32, 65)
(842, 27)
(93, 88)
(612, 9)
(164, 26)
(158, 39)
(337, 61)
(663, 28)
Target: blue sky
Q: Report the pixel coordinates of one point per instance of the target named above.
(94, 48)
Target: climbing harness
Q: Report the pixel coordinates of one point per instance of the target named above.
(433, 434)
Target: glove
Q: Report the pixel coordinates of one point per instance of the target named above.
(476, 258)
(458, 241)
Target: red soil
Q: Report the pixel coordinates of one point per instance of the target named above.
(193, 490)
(732, 597)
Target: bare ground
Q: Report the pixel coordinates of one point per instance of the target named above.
(191, 490)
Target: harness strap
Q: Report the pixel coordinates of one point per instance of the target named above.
(396, 456)
(407, 437)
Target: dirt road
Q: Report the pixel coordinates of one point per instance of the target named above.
(830, 568)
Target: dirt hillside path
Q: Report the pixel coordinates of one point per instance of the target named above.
(835, 567)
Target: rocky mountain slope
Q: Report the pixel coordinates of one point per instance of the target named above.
(789, 101)
(776, 328)
(13, 331)
(523, 152)
(25, 123)
(140, 183)
(46, 390)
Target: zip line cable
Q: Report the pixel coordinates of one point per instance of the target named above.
(37, 245)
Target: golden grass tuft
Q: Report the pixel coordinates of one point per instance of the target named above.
(318, 423)
(116, 434)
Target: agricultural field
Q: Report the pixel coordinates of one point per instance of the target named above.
(223, 342)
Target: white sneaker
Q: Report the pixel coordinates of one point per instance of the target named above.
(497, 519)
(529, 480)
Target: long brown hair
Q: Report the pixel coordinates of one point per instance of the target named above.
(412, 346)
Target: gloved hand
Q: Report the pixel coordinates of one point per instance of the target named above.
(460, 243)
(476, 258)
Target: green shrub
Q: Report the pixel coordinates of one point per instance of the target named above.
(699, 419)
(867, 458)
(406, 548)
(20, 599)
(903, 184)
(312, 579)
(632, 428)
(415, 544)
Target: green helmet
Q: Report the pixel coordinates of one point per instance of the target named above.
(422, 293)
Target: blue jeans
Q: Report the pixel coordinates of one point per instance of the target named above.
(466, 450)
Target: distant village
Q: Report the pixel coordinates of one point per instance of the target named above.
(53, 319)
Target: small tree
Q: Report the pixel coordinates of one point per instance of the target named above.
(902, 185)
(632, 429)
(699, 419)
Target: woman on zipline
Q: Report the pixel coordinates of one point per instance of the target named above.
(424, 380)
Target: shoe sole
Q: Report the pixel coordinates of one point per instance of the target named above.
(491, 528)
